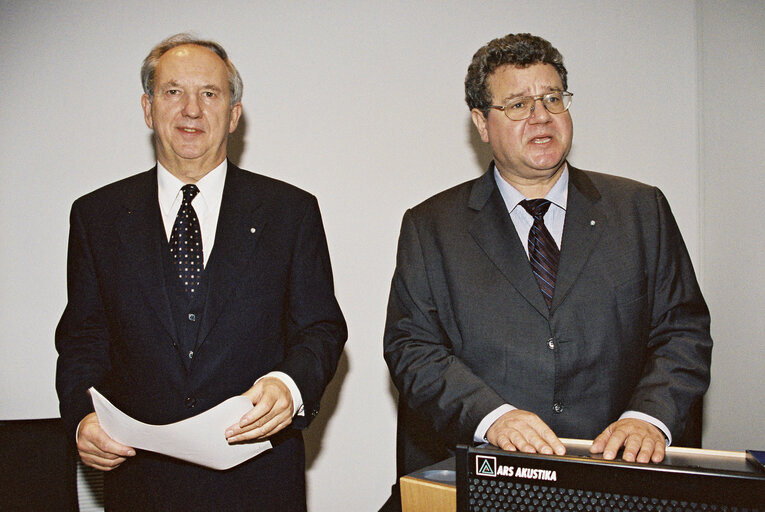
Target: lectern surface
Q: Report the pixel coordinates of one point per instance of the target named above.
(489, 479)
(430, 489)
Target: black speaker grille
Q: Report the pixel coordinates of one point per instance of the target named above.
(491, 495)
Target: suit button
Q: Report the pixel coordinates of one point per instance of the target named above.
(558, 407)
(551, 344)
(191, 354)
(192, 317)
(191, 402)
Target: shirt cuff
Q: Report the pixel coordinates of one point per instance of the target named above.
(297, 399)
(479, 436)
(650, 419)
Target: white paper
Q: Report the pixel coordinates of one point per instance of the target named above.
(199, 439)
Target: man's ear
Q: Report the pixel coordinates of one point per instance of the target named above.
(146, 105)
(236, 113)
(479, 120)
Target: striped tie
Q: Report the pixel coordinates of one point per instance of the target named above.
(544, 254)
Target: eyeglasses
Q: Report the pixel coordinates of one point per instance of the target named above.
(520, 108)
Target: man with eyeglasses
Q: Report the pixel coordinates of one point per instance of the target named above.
(541, 301)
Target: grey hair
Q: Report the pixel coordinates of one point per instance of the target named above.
(149, 67)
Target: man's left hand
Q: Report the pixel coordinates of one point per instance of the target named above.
(271, 412)
(641, 441)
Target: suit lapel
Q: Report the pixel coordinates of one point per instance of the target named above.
(494, 232)
(137, 227)
(583, 227)
(240, 223)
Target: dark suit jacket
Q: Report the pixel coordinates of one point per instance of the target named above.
(270, 306)
(468, 329)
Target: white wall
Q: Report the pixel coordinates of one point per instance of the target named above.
(733, 160)
(360, 103)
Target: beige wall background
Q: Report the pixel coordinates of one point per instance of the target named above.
(361, 103)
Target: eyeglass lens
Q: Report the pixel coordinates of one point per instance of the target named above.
(520, 108)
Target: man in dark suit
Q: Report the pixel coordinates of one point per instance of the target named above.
(191, 283)
(540, 300)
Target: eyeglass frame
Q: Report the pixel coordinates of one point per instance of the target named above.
(504, 110)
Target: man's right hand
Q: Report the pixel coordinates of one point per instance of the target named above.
(97, 449)
(524, 431)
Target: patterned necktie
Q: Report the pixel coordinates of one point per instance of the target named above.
(186, 243)
(544, 254)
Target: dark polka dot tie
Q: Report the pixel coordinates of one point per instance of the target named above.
(186, 243)
(544, 254)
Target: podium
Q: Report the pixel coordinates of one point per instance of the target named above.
(431, 489)
(688, 479)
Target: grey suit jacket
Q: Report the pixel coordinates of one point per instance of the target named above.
(468, 329)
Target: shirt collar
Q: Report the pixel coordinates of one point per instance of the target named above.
(210, 187)
(558, 194)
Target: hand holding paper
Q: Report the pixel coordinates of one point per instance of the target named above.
(199, 439)
(271, 412)
(97, 449)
